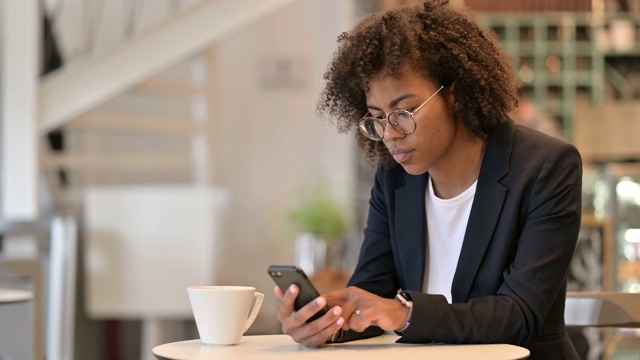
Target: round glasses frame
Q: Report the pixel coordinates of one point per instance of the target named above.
(373, 128)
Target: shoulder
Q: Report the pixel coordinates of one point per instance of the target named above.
(525, 137)
(541, 161)
(530, 145)
(509, 137)
(518, 154)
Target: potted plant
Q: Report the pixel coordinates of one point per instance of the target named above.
(321, 222)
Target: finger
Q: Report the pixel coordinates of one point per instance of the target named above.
(317, 332)
(348, 312)
(289, 297)
(322, 337)
(311, 308)
(310, 330)
(321, 330)
(358, 321)
(278, 292)
(336, 297)
(286, 305)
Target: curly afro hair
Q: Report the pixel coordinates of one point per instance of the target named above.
(441, 43)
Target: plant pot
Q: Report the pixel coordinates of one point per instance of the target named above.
(311, 253)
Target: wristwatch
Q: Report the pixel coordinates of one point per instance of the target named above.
(405, 300)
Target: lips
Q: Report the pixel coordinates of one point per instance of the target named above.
(401, 155)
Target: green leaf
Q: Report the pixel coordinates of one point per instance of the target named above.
(320, 214)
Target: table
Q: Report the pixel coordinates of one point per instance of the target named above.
(602, 309)
(377, 348)
(8, 296)
(23, 274)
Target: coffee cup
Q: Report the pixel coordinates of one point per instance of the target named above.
(224, 313)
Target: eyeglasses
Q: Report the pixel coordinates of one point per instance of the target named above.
(401, 120)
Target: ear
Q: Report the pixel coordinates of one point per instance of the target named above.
(451, 96)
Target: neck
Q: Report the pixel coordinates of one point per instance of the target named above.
(461, 168)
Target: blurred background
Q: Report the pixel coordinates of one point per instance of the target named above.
(151, 145)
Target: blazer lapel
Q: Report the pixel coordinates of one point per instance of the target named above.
(410, 216)
(485, 211)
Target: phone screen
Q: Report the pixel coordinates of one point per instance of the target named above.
(285, 275)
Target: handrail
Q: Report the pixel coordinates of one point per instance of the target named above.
(76, 89)
(21, 227)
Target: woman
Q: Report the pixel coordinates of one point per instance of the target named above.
(473, 220)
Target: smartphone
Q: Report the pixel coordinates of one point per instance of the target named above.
(285, 275)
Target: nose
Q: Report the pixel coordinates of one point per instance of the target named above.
(390, 133)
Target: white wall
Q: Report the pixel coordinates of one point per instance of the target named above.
(268, 141)
(19, 36)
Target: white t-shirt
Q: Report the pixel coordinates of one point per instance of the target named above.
(446, 225)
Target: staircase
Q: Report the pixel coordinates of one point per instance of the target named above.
(153, 133)
(139, 113)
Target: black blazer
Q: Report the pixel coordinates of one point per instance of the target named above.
(510, 281)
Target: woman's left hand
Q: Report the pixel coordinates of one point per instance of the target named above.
(362, 309)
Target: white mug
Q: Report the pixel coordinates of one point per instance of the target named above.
(224, 313)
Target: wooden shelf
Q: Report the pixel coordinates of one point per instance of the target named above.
(563, 57)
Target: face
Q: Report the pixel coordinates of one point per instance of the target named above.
(436, 127)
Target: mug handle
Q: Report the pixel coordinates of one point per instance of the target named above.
(257, 304)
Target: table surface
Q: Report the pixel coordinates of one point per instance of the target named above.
(378, 348)
(13, 296)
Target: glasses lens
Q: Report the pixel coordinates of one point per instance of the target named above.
(371, 128)
(402, 121)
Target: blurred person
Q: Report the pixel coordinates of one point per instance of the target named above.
(473, 219)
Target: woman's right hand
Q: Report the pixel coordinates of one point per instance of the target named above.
(294, 323)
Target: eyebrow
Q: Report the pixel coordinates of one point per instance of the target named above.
(393, 103)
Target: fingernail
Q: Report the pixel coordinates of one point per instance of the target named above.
(337, 310)
(340, 321)
(293, 289)
(320, 301)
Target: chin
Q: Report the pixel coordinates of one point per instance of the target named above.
(413, 169)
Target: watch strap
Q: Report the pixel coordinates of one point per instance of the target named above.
(403, 298)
